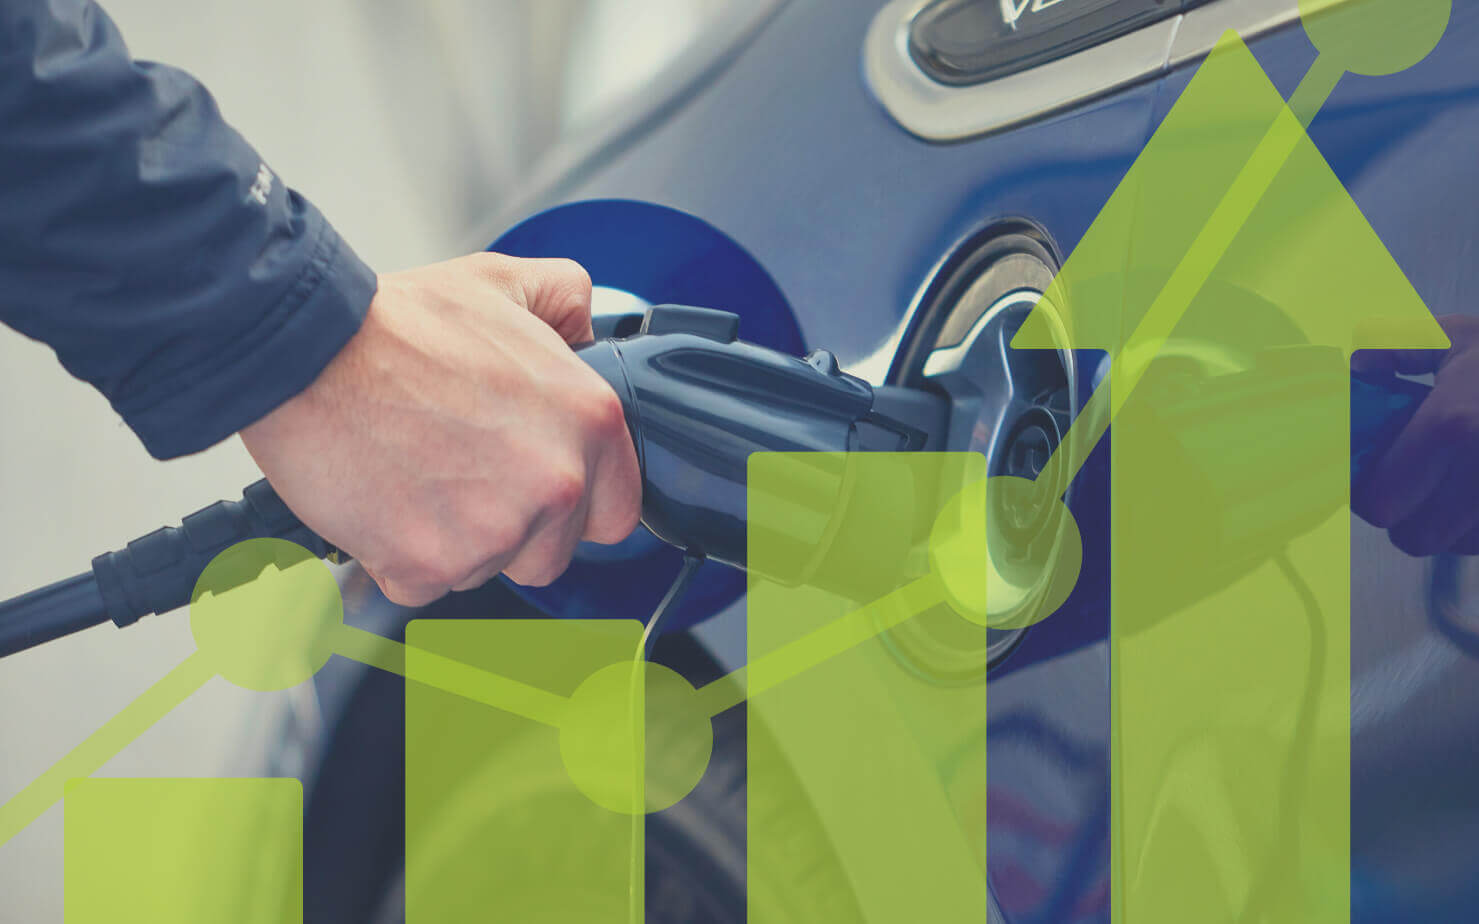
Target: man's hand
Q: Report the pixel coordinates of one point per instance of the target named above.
(1425, 489)
(457, 436)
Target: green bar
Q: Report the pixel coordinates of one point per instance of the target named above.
(496, 829)
(867, 779)
(184, 851)
(1230, 277)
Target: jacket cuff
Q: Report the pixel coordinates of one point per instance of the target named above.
(324, 309)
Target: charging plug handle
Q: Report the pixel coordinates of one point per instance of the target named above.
(157, 573)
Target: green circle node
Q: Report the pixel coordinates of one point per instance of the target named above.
(602, 748)
(263, 614)
(1007, 552)
(1375, 37)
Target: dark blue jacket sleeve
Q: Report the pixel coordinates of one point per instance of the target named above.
(147, 243)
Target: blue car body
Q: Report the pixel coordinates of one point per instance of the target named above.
(776, 185)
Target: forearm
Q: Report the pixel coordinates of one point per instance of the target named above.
(147, 243)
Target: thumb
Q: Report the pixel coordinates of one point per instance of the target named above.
(558, 292)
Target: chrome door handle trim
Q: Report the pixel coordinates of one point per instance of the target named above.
(934, 111)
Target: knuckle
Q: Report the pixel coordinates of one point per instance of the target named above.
(603, 414)
(573, 275)
(564, 488)
(492, 262)
(499, 538)
(500, 272)
(434, 571)
(484, 265)
(424, 563)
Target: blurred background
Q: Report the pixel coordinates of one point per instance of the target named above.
(413, 124)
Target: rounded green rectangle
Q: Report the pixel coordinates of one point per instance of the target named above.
(183, 851)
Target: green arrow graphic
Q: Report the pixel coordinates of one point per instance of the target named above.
(1253, 276)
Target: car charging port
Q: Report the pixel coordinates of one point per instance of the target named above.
(1012, 406)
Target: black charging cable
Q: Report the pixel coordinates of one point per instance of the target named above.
(152, 574)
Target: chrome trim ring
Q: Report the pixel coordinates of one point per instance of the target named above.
(999, 396)
(1004, 403)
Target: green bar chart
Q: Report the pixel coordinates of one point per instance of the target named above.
(183, 851)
